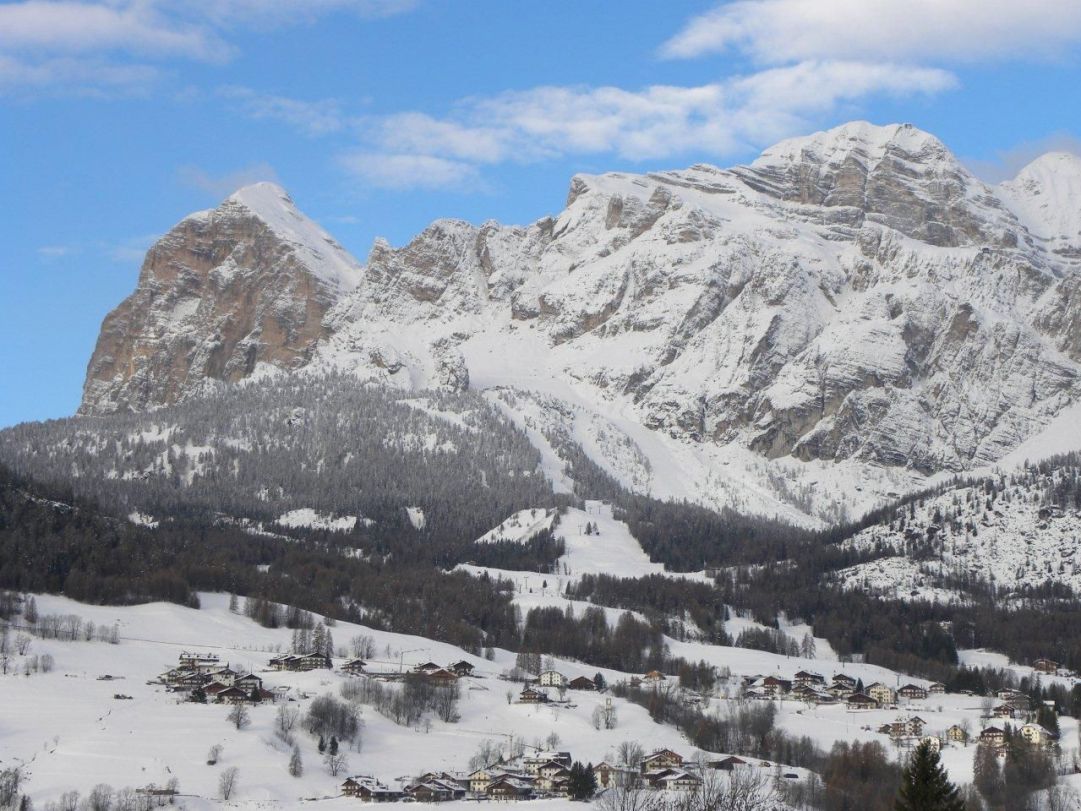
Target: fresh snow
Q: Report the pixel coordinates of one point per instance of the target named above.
(416, 517)
(520, 527)
(142, 519)
(71, 734)
(322, 255)
(307, 517)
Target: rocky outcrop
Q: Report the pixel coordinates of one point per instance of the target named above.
(223, 292)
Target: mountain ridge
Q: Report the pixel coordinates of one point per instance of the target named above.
(853, 304)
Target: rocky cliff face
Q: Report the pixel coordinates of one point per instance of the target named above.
(224, 291)
(855, 297)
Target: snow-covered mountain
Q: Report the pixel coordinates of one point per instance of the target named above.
(223, 292)
(848, 315)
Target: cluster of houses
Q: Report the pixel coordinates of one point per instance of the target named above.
(543, 774)
(536, 692)
(1032, 733)
(446, 675)
(202, 677)
(299, 662)
(813, 688)
(302, 662)
(1014, 705)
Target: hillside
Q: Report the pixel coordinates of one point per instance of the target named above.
(1009, 535)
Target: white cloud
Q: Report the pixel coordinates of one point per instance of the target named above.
(82, 44)
(311, 117)
(403, 171)
(220, 186)
(264, 13)
(131, 250)
(77, 75)
(417, 150)
(418, 132)
(947, 31)
(55, 251)
(81, 27)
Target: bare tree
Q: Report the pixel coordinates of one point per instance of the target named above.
(445, 701)
(126, 800)
(100, 798)
(227, 783)
(239, 716)
(634, 797)
(362, 646)
(630, 753)
(604, 716)
(213, 754)
(335, 761)
(286, 719)
(742, 790)
(1062, 798)
(488, 752)
(9, 786)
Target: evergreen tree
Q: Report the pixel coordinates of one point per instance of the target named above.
(322, 745)
(198, 696)
(1047, 718)
(925, 786)
(599, 682)
(332, 747)
(583, 783)
(296, 765)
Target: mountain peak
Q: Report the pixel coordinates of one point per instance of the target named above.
(1046, 196)
(324, 257)
(862, 141)
(228, 289)
(1061, 165)
(896, 175)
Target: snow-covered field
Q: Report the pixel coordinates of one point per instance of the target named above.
(70, 733)
(608, 548)
(596, 542)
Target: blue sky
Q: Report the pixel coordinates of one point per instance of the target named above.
(119, 117)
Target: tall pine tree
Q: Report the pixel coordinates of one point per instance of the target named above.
(925, 786)
(583, 782)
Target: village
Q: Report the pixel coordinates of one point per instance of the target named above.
(537, 772)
